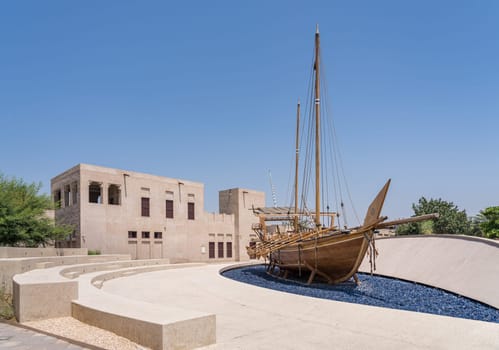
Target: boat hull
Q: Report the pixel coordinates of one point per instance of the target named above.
(335, 258)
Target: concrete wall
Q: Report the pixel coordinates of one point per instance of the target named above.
(13, 266)
(56, 297)
(240, 202)
(21, 252)
(184, 333)
(465, 265)
(14, 260)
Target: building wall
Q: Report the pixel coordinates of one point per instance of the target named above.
(25, 252)
(240, 202)
(68, 205)
(109, 228)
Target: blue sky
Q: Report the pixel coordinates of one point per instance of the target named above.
(206, 91)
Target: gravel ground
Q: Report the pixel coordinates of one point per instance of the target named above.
(71, 328)
(376, 291)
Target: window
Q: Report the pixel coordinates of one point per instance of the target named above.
(114, 195)
(67, 195)
(132, 234)
(145, 206)
(158, 235)
(190, 211)
(229, 249)
(169, 209)
(57, 198)
(74, 192)
(211, 250)
(145, 234)
(220, 249)
(94, 193)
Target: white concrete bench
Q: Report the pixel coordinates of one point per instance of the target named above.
(154, 326)
(12, 266)
(77, 270)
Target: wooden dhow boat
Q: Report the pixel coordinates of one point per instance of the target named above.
(295, 240)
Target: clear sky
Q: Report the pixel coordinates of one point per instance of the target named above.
(206, 91)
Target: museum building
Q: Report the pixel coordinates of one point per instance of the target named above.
(117, 211)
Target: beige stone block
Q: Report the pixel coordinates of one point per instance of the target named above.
(39, 301)
(179, 333)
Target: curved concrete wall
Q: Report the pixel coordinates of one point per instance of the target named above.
(465, 265)
(13, 266)
(23, 252)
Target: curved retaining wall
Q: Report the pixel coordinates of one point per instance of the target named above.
(465, 265)
(12, 266)
(23, 252)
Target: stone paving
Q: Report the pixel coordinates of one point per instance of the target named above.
(251, 317)
(18, 338)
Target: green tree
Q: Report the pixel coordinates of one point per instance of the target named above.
(475, 225)
(450, 220)
(489, 222)
(22, 215)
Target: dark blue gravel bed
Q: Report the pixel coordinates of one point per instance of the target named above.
(376, 291)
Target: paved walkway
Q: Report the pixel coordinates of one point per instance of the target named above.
(18, 338)
(250, 317)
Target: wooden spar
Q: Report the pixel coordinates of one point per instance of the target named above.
(408, 220)
(288, 217)
(296, 163)
(264, 248)
(267, 247)
(317, 132)
(401, 221)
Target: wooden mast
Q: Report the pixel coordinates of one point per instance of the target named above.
(296, 163)
(317, 133)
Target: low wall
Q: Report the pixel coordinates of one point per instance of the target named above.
(21, 252)
(14, 266)
(465, 265)
(48, 293)
(77, 270)
(40, 300)
(154, 326)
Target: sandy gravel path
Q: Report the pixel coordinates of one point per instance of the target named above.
(71, 328)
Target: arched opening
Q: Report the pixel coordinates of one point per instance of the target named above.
(94, 193)
(114, 194)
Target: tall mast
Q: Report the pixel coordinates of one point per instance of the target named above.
(317, 132)
(296, 163)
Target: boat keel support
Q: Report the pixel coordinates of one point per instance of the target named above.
(314, 271)
(356, 279)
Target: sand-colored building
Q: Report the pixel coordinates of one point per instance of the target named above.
(147, 216)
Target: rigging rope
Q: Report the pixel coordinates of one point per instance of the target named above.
(336, 156)
(332, 189)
